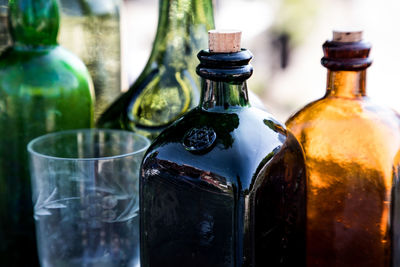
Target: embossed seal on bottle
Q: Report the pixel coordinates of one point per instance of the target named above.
(199, 139)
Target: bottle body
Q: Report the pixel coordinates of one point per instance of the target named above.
(352, 148)
(97, 23)
(229, 206)
(41, 92)
(168, 86)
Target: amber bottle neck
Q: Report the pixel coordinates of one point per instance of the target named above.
(346, 84)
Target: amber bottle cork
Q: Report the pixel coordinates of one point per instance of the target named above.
(224, 41)
(347, 36)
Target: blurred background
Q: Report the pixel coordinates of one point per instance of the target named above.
(286, 38)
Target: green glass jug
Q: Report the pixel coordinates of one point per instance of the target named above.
(168, 86)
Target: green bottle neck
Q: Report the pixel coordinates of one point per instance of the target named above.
(182, 28)
(221, 96)
(34, 24)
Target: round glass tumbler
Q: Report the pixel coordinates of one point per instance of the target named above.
(86, 197)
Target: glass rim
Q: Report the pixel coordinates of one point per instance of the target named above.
(42, 137)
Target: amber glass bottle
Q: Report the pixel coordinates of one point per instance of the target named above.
(352, 154)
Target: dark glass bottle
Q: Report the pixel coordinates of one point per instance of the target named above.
(223, 185)
(43, 88)
(168, 86)
(352, 149)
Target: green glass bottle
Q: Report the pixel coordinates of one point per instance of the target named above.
(168, 86)
(225, 184)
(97, 23)
(43, 88)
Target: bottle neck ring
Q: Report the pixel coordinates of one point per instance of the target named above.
(350, 56)
(224, 79)
(225, 67)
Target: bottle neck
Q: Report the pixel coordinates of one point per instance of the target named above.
(346, 84)
(34, 23)
(183, 26)
(221, 96)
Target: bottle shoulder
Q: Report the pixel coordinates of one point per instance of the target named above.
(54, 69)
(55, 58)
(234, 145)
(343, 131)
(71, 60)
(336, 111)
(245, 119)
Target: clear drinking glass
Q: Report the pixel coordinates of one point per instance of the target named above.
(86, 197)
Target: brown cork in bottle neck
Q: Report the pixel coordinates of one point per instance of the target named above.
(347, 36)
(224, 41)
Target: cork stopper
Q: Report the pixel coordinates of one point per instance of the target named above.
(224, 41)
(347, 36)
